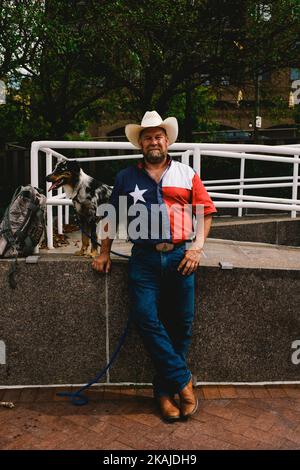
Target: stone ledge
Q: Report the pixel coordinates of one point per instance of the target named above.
(59, 332)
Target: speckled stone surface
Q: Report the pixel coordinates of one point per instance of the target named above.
(247, 320)
(132, 364)
(285, 231)
(53, 323)
(64, 320)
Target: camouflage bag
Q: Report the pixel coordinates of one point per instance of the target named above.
(23, 224)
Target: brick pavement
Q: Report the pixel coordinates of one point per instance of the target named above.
(119, 418)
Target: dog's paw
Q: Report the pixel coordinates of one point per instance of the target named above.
(81, 253)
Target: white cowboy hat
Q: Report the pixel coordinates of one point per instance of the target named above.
(152, 119)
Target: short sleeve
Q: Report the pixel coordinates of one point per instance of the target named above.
(116, 192)
(114, 200)
(201, 197)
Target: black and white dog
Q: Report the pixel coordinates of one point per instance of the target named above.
(86, 193)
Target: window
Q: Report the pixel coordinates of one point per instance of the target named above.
(295, 74)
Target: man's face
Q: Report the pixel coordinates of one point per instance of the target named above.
(154, 144)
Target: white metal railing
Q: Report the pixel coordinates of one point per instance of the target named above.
(279, 154)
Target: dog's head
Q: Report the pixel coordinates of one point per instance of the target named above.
(65, 172)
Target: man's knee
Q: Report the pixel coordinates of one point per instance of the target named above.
(143, 313)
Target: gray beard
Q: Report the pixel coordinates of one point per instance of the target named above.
(157, 158)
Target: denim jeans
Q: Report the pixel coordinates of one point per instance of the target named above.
(162, 308)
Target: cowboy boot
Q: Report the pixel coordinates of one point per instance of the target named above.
(168, 408)
(188, 401)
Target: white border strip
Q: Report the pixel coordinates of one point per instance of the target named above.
(141, 384)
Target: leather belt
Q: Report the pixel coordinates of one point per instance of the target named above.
(165, 246)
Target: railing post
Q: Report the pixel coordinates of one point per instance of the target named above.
(197, 160)
(185, 157)
(295, 184)
(67, 215)
(241, 190)
(49, 207)
(34, 172)
(34, 165)
(60, 214)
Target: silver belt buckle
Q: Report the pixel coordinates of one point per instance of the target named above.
(164, 247)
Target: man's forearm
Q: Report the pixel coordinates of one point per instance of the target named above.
(106, 244)
(202, 231)
(106, 241)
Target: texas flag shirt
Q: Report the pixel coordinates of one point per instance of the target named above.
(163, 211)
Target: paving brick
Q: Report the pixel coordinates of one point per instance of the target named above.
(83, 420)
(130, 425)
(233, 418)
(11, 395)
(25, 441)
(290, 416)
(227, 392)
(292, 391)
(241, 420)
(263, 436)
(144, 392)
(293, 435)
(267, 420)
(5, 415)
(218, 409)
(45, 395)
(118, 446)
(277, 392)
(10, 431)
(53, 441)
(28, 395)
(289, 445)
(211, 392)
(238, 440)
(293, 403)
(247, 407)
(260, 392)
(57, 390)
(137, 442)
(4, 442)
(111, 393)
(244, 392)
(199, 393)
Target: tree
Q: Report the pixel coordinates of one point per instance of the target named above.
(19, 38)
(266, 42)
(139, 54)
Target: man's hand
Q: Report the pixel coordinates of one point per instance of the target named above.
(102, 263)
(190, 262)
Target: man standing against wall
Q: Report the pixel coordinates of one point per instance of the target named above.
(163, 262)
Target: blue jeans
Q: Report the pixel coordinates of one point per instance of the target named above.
(162, 308)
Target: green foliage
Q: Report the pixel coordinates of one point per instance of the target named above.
(296, 114)
(69, 63)
(278, 109)
(200, 112)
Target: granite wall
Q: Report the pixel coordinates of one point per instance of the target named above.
(63, 321)
(278, 232)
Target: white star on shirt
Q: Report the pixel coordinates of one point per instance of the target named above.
(137, 194)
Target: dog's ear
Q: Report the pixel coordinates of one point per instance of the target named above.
(74, 166)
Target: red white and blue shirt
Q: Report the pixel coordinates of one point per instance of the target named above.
(178, 188)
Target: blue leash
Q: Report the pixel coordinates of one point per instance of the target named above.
(78, 398)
